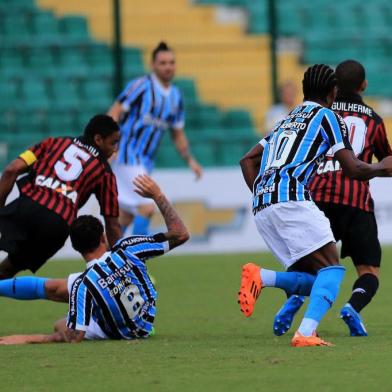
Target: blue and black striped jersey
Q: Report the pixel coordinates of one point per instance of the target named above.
(116, 290)
(148, 110)
(291, 151)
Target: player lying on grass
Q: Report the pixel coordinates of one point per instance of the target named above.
(114, 298)
(278, 171)
(347, 202)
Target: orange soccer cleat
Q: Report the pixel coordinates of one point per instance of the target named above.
(308, 341)
(250, 289)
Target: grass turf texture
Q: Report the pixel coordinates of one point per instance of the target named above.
(202, 342)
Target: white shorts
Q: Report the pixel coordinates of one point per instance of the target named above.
(93, 331)
(293, 230)
(128, 199)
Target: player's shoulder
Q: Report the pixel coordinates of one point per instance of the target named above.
(140, 82)
(377, 118)
(133, 240)
(331, 115)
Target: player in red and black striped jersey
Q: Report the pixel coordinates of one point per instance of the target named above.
(61, 174)
(347, 202)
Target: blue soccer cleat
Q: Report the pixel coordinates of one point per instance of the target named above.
(285, 316)
(353, 320)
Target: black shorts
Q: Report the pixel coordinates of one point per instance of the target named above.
(357, 230)
(30, 233)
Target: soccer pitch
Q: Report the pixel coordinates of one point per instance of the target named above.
(202, 342)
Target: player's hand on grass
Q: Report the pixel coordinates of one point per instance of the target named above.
(195, 167)
(146, 186)
(13, 339)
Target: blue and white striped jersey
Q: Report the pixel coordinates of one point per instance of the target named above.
(116, 290)
(148, 110)
(291, 151)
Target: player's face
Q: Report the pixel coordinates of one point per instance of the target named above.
(108, 145)
(164, 66)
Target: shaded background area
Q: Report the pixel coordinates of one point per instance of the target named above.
(57, 65)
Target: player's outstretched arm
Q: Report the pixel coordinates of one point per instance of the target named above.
(115, 111)
(113, 229)
(9, 176)
(182, 146)
(177, 233)
(56, 337)
(250, 165)
(355, 168)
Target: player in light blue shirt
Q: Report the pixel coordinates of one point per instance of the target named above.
(114, 298)
(148, 107)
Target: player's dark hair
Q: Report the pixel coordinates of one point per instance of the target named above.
(162, 47)
(350, 75)
(100, 124)
(85, 233)
(318, 82)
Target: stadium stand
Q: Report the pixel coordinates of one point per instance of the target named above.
(56, 64)
(54, 75)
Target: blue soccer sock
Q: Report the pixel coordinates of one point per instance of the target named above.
(24, 287)
(291, 282)
(323, 295)
(140, 225)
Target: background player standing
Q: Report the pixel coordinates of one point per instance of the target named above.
(114, 298)
(278, 170)
(62, 173)
(347, 202)
(145, 109)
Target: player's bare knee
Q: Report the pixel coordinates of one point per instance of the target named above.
(56, 290)
(367, 269)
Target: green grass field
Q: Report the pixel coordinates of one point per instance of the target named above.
(202, 342)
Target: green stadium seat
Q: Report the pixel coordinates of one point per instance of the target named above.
(65, 93)
(100, 60)
(230, 153)
(205, 153)
(167, 155)
(34, 94)
(39, 59)
(44, 25)
(30, 122)
(237, 118)
(133, 63)
(98, 91)
(74, 27)
(20, 5)
(72, 60)
(8, 95)
(15, 28)
(188, 89)
(60, 124)
(210, 116)
(11, 62)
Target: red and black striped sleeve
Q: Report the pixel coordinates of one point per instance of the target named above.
(107, 195)
(35, 152)
(381, 144)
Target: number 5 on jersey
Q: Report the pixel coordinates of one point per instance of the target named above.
(73, 167)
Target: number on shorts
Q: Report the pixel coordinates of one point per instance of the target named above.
(73, 168)
(132, 300)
